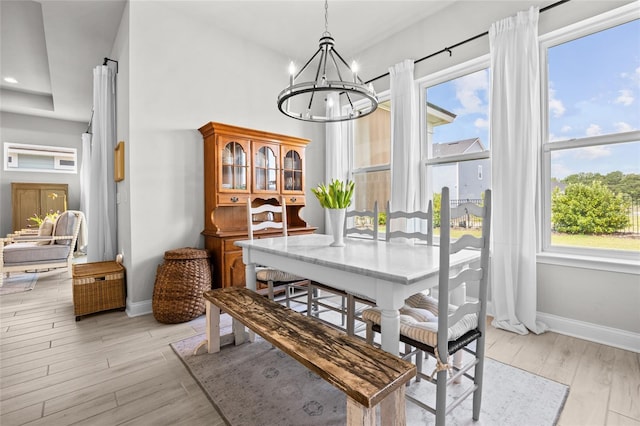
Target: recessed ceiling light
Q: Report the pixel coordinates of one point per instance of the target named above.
(10, 80)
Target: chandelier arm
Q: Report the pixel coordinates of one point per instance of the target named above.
(340, 76)
(308, 62)
(322, 57)
(323, 62)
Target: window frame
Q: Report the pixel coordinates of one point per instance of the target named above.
(12, 151)
(382, 97)
(598, 258)
(447, 74)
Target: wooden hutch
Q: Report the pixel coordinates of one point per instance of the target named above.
(239, 164)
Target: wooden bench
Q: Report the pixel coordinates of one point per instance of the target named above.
(367, 375)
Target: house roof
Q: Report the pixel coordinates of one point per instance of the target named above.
(463, 146)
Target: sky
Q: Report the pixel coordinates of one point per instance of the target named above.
(594, 89)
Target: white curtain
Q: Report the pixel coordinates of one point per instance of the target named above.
(101, 214)
(515, 148)
(337, 165)
(407, 184)
(85, 178)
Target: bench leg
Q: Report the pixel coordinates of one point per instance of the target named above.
(359, 415)
(250, 274)
(213, 327)
(238, 332)
(393, 409)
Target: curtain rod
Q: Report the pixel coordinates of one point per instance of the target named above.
(113, 60)
(448, 49)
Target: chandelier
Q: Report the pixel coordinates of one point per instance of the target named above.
(326, 79)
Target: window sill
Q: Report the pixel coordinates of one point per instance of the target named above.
(625, 266)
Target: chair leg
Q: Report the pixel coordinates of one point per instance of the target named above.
(477, 377)
(441, 397)
(270, 289)
(287, 295)
(419, 357)
(369, 334)
(351, 314)
(310, 299)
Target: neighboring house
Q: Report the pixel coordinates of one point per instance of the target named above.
(465, 179)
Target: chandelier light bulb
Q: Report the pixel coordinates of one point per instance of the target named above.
(354, 70)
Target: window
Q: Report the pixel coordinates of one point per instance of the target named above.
(455, 114)
(372, 158)
(39, 158)
(591, 138)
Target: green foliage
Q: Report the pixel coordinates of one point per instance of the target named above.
(336, 196)
(382, 219)
(437, 200)
(38, 220)
(588, 209)
(617, 182)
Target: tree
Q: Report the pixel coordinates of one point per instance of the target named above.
(630, 185)
(437, 198)
(616, 181)
(588, 209)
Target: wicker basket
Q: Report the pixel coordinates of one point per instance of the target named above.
(98, 286)
(180, 282)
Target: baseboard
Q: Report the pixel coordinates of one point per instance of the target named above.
(136, 309)
(587, 331)
(593, 332)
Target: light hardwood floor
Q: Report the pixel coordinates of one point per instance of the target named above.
(109, 369)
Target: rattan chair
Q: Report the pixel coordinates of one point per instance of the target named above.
(280, 286)
(422, 327)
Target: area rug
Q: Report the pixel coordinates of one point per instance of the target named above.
(18, 283)
(256, 384)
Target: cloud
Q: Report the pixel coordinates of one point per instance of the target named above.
(560, 171)
(555, 138)
(566, 129)
(481, 123)
(593, 130)
(593, 152)
(555, 105)
(621, 127)
(471, 89)
(625, 97)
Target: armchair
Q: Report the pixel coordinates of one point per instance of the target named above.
(31, 252)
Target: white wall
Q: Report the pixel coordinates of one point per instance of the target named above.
(120, 53)
(183, 73)
(25, 129)
(588, 303)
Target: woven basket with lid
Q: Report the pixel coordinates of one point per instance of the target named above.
(180, 282)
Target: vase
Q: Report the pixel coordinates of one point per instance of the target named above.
(336, 218)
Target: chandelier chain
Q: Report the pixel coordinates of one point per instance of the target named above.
(326, 16)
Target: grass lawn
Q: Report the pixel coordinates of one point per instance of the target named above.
(617, 242)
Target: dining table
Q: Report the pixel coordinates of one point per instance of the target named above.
(383, 272)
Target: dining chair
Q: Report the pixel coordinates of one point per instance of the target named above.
(360, 224)
(422, 327)
(420, 221)
(263, 217)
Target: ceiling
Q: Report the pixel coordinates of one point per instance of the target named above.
(51, 46)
